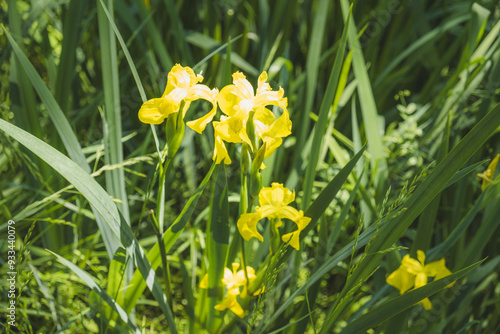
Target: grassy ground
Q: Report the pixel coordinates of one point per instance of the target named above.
(394, 112)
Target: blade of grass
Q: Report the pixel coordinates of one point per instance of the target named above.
(63, 127)
(217, 237)
(66, 70)
(427, 218)
(322, 123)
(368, 106)
(312, 69)
(115, 179)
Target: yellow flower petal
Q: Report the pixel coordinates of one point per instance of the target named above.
(247, 225)
(204, 282)
(231, 303)
(293, 238)
(276, 195)
(228, 98)
(401, 279)
(181, 78)
(203, 92)
(154, 111)
(426, 303)
(489, 173)
(413, 266)
(233, 129)
(220, 152)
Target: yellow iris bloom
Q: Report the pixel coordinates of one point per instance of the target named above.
(236, 102)
(274, 202)
(233, 280)
(488, 174)
(182, 85)
(414, 274)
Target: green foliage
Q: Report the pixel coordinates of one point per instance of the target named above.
(394, 108)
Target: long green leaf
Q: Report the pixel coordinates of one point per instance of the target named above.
(113, 149)
(101, 201)
(322, 123)
(312, 69)
(217, 246)
(63, 127)
(368, 106)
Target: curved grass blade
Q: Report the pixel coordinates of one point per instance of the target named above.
(101, 201)
(63, 127)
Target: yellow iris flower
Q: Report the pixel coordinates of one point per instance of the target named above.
(488, 174)
(233, 280)
(182, 85)
(236, 102)
(274, 202)
(414, 274)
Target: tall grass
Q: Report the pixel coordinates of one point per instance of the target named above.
(394, 111)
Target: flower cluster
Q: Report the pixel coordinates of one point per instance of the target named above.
(242, 105)
(274, 202)
(233, 281)
(414, 274)
(245, 117)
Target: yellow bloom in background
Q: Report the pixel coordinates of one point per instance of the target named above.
(233, 280)
(488, 174)
(414, 274)
(237, 101)
(274, 202)
(182, 85)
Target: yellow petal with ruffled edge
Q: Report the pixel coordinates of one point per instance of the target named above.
(247, 225)
(413, 266)
(154, 111)
(181, 77)
(276, 195)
